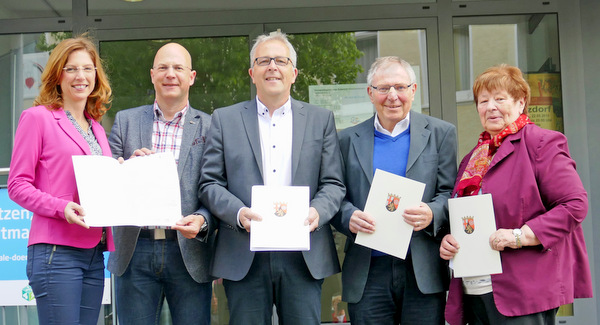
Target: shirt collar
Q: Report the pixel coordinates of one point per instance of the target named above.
(159, 114)
(262, 110)
(399, 128)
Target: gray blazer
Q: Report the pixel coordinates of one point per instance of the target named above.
(431, 160)
(132, 130)
(232, 163)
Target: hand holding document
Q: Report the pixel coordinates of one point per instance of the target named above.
(389, 196)
(284, 210)
(472, 222)
(143, 191)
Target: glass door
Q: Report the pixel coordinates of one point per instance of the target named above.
(333, 65)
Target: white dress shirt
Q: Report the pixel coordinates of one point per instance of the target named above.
(399, 128)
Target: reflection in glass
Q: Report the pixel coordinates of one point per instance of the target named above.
(529, 42)
(221, 65)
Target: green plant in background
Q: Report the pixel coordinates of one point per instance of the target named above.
(325, 59)
(43, 45)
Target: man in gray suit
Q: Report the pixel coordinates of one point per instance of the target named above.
(272, 140)
(382, 289)
(151, 264)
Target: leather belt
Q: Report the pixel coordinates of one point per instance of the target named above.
(152, 234)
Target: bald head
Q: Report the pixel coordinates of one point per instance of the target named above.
(173, 51)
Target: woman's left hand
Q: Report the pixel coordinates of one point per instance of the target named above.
(502, 239)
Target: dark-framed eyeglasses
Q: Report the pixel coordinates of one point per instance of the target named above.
(400, 88)
(281, 61)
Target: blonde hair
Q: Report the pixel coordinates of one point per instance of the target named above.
(98, 101)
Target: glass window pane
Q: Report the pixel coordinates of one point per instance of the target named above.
(22, 59)
(220, 62)
(333, 69)
(529, 42)
(35, 9)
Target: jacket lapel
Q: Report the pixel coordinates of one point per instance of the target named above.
(363, 141)
(250, 120)
(419, 137)
(298, 132)
(506, 149)
(71, 131)
(98, 129)
(190, 129)
(146, 124)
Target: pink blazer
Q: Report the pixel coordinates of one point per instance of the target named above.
(533, 181)
(41, 177)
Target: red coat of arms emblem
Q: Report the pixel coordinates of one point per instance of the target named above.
(469, 224)
(392, 202)
(280, 208)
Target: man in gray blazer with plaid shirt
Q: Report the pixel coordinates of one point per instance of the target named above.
(151, 264)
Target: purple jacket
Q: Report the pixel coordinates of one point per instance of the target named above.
(533, 181)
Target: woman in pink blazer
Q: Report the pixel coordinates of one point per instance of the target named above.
(539, 204)
(65, 261)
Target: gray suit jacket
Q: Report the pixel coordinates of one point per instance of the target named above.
(232, 163)
(431, 160)
(133, 130)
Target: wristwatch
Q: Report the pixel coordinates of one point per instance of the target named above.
(517, 232)
(204, 224)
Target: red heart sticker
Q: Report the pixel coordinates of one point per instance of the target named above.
(29, 82)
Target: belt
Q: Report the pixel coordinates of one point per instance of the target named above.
(154, 234)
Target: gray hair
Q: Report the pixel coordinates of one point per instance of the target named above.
(387, 60)
(276, 35)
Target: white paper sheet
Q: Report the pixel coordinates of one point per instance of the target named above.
(472, 222)
(389, 196)
(143, 191)
(284, 210)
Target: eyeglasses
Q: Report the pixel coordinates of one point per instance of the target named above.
(164, 68)
(281, 61)
(400, 88)
(87, 69)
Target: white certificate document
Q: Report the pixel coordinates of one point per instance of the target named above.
(284, 210)
(389, 196)
(472, 222)
(143, 191)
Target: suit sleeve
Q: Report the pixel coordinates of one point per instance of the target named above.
(27, 154)
(446, 175)
(341, 221)
(331, 189)
(560, 188)
(214, 194)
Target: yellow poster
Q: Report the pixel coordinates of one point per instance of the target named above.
(545, 108)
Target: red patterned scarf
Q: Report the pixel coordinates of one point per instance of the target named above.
(480, 160)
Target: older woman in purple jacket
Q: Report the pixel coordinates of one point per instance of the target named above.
(539, 205)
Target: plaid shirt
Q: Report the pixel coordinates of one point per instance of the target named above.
(167, 135)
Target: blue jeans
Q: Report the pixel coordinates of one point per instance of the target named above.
(279, 278)
(391, 296)
(157, 271)
(67, 282)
